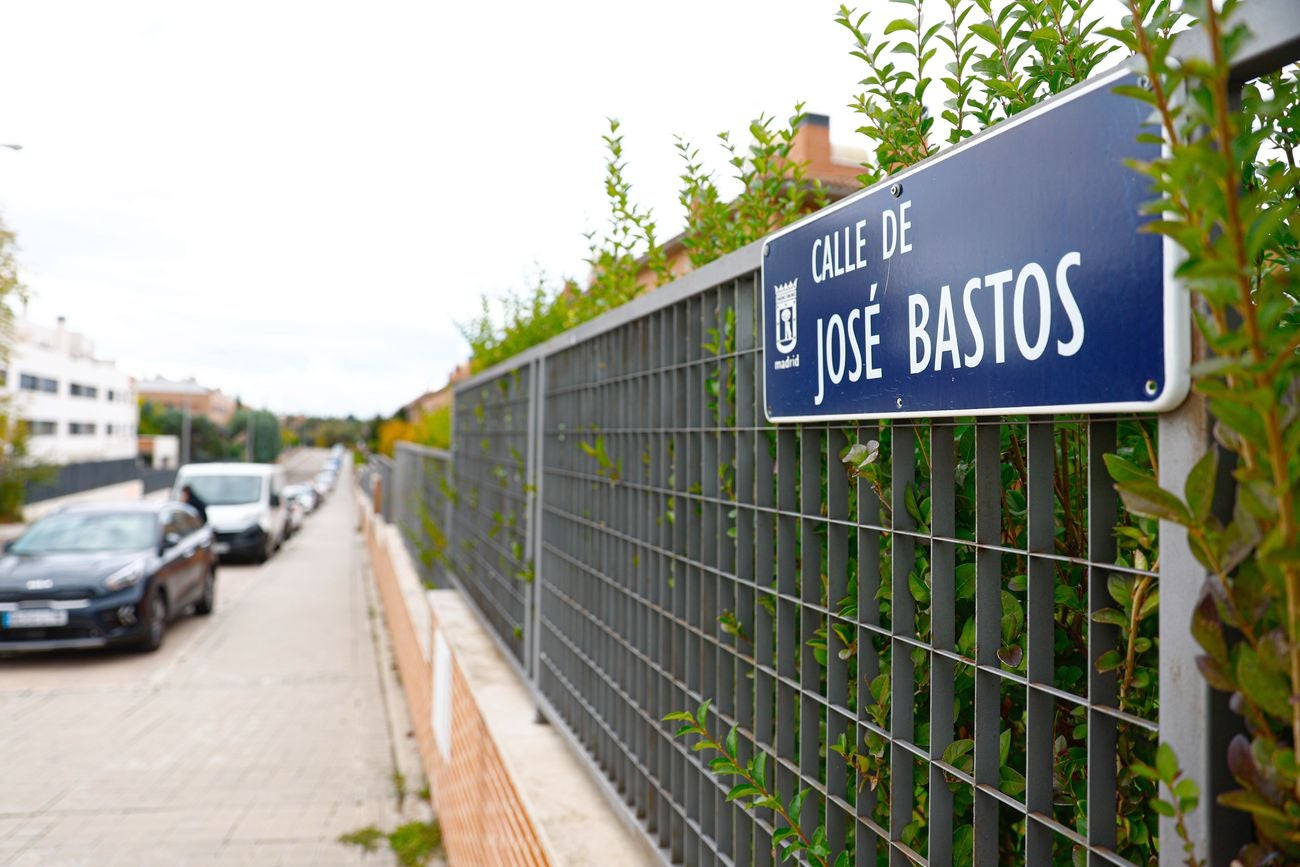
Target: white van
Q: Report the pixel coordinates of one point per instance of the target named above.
(244, 503)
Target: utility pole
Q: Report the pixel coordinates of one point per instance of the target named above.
(185, 433)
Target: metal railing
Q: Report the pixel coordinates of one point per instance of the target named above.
(639, 539)
(77, 478)
(421, 508)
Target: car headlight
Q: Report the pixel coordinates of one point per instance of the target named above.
(129, 574)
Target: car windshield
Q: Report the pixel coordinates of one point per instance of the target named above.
(100, 531)
(226, 490)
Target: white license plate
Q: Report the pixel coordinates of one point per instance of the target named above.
(35, 617)
(223, 548)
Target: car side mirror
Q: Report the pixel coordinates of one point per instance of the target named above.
(171, 540)
(275, 501)
(9, 544)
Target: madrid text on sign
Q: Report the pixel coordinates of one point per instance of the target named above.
(1008, 275)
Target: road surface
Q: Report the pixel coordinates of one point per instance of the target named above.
(255, 736)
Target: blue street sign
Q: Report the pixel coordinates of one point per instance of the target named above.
(1006, 275)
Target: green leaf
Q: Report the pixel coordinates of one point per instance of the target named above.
(900, 24)
(1187, 793)
(796, 804)
(956, 751)
(722, 765)
(1163, 807)
(1109, 661)
(1215, 673)
(1123, 470)
(1254, 804)
(730, 742)
(1267, 689)
(1166, 763)
(1149, 500)
(703, 712)
(679, 715)
(1121, 588)
(1207, 628)
(743, 790)
(1113, 616)
(1199, 488)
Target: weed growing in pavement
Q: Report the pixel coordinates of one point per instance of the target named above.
(399, 787)
(414, 843)
(367, 838)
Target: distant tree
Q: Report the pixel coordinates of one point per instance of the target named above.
(17, 468)
(208, 440)
(267, 443)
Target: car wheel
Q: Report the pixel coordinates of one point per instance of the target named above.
(209, 598)
(264, 553)
(155, 621)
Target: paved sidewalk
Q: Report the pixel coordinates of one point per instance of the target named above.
(255, 736)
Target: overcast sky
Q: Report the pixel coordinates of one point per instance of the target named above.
(295, 201)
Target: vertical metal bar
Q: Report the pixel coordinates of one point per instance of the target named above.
(988, 637)
(535, 480)
(838, 777)
(530, 523)
(943, 592)
(903, 676)
(812, 463)
(1040, 638)
(787, 639)
(869, 543)
(1103, 688)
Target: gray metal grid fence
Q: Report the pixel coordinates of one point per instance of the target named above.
(691, 551)
(422, 498)
(493, 484)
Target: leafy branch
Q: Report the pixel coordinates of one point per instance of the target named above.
(751, 791)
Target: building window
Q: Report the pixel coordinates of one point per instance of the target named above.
(81, 428)
(27, 382)
(76, 389)
(37, 427)
(112, 395)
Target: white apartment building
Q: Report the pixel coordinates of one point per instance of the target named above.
(77, 407)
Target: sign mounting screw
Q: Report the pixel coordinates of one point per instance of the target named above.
(896, 190)
(900, 403)
(1151, 387)
(767, 250)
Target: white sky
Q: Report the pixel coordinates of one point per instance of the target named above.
(294, 201)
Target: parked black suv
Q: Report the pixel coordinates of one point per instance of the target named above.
(101, 574)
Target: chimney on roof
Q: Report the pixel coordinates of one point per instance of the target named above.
(61, 334)
(812, 141)
(812, 146)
